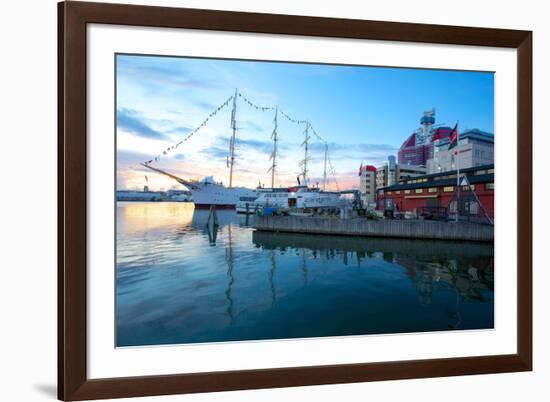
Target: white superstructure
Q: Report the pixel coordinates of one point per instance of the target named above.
(293, 198)
(207, 192)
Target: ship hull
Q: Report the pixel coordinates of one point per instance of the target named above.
(218, 206)
(210, 194)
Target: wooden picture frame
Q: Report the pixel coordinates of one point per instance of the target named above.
(73, 382)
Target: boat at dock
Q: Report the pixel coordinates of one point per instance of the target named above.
(297, 200)
(207, 192)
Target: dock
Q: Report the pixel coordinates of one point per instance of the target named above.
(416, 229)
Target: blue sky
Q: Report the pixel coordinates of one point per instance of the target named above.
(364, 113)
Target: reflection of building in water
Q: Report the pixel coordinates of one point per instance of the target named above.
(469, 278)
(465, 268)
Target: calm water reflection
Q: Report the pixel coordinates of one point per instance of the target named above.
(179, 282)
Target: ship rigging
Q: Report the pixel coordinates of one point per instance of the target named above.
(207, 192)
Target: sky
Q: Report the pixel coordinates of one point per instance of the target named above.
(363, 113)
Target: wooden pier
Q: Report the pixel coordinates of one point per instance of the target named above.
(417, 229)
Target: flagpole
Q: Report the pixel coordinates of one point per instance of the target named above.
(457, 171)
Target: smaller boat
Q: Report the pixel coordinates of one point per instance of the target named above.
(266, 198)
(295, 200)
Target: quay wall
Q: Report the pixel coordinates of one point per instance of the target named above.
(417, 229)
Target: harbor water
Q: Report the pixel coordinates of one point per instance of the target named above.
(180, 281)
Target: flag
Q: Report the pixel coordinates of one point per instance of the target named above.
(453, 137)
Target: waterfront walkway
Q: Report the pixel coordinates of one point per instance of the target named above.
(418, 229)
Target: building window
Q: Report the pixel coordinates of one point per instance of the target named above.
(480, 172)
(418, 190)
(448, 189)
(398, 192)
(432, 190)
(407, 191)
(490, 171)
(489, 186)
(473, 208)
(472, 187)
(389, 192)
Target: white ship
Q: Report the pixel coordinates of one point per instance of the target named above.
(207, 192)
(309, 198)
(293, 198)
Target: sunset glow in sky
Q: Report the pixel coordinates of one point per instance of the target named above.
(364, 113)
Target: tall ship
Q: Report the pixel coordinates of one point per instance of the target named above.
(207, 192)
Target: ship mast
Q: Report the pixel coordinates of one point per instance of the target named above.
(325, 168)
(306, 151)
(274, 153)
(232, 140)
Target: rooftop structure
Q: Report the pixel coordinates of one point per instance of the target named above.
(418, 147)
(475, 147)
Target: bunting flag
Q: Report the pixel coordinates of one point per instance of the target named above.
(193, 132)
(264, 109)
(257, 107)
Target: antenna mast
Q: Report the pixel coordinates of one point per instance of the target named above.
(232, 141)
(274, 153)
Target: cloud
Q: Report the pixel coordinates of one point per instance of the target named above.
(180, 130)
(125, 157)
(204, 105)
(130, 121)
(215, 152)
(251, 125)
(265, 147)
(361, 147)
(150, 73)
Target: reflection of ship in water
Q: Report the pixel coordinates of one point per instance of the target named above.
(466, 268)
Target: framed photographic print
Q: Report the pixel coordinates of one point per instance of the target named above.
(252, 200)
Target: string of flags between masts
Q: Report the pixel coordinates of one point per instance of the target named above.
(328, 168)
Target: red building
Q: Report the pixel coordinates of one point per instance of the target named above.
(411, 153)
(438, 192)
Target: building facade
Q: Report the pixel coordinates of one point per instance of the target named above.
(392, 173)
(439, 191)
(386, 175)
(405, 172)
(418, 148)
(367, 184)
(475, 148)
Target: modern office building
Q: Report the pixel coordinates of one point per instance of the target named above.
(475, 148)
